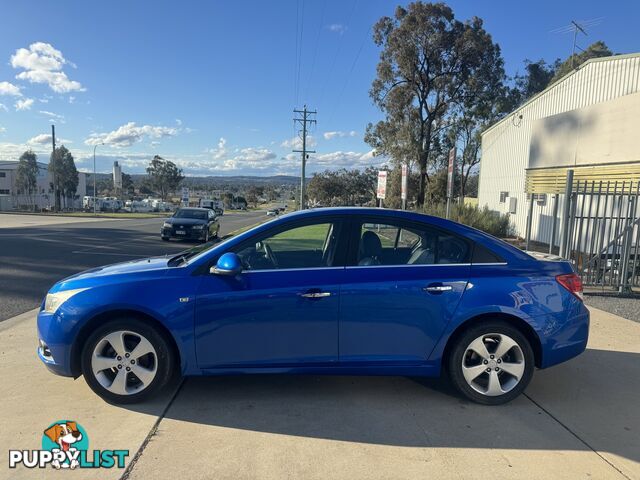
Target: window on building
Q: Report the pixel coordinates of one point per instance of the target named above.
(3, 174)
(503, 196)
(4, 192)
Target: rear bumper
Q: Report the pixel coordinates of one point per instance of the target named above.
(565, 335)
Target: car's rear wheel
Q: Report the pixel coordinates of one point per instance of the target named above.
(126, 361)
(166, 239)
(491, 363)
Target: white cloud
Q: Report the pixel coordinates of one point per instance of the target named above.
(339, 134)
(2, 129)
(337, 28)
(295, 143)
(179, 122)
(128, 134)
(53, 116)
(43, 64)
(45, 139)
(7, 88)
(3, 107)
(24, 104)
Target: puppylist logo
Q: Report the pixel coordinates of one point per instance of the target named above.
(65, 444)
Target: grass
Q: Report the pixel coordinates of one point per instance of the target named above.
(307, 238)
(115, 214)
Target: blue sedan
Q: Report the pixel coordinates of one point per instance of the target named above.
(326, 291)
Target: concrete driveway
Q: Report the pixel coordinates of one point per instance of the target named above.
(577, 420)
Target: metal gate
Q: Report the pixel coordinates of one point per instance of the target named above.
(603, 233)
(599, 230)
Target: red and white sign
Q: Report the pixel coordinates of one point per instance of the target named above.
(382, 184)
(451, 171)
(403, 185)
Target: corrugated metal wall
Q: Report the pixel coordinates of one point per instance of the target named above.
(505, 146)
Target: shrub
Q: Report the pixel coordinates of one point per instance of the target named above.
(489, 221)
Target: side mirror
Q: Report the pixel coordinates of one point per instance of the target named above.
(228, 264)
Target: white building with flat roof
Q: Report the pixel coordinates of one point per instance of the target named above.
(588, 121)
(12, 199)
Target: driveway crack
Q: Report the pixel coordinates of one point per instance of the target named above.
(576, 436)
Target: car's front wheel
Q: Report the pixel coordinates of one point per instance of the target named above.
(126, 361)
(491, 363)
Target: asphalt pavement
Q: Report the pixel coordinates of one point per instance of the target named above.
(34, 254)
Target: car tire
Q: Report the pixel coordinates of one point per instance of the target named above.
(115, 383)
(484, 377)
(166, 239)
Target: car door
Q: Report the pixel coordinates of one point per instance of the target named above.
(282, 310)
(402, 285)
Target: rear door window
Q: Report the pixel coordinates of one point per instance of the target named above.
(397, 243)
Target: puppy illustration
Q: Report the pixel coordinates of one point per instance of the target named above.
(65, 435)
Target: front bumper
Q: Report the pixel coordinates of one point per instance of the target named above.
(54, 349)
(189, 233)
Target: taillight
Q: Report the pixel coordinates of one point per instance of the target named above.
(571, 282)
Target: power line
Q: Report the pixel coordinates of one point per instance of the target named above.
(349, 73)
(315, 50)
(299, 55)
(335, 57)
(295, 58)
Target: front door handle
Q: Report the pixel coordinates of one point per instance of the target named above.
(437, 288)
(315, 294)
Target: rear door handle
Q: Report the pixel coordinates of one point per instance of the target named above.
(315, 294)
(437, 288)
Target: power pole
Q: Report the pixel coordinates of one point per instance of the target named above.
(303, 117)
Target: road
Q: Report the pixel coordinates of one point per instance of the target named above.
(32, 258)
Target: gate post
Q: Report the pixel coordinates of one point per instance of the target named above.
(566, 212)
(554, 225)
(529, 220)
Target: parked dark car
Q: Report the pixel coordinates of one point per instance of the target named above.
(192, 224)
(329, 291)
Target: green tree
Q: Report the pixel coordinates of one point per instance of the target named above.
(70, 179)
(430, 65)
(535, 79)
(128, 188)
(27, 176)
(164, 176)
(595, 50)
(61, 165)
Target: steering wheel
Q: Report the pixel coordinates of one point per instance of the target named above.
(269, 254)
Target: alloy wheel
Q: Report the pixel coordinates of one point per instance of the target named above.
(124, 362)
(493, 364)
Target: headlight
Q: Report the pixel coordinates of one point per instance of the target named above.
(166, 225)
(54, 300)
(197, 227)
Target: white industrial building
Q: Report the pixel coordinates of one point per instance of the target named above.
(12, 199)
(589, 121)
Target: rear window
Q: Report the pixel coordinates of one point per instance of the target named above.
(484, 255)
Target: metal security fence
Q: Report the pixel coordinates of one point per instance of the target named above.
(596, 225)
(604, 232)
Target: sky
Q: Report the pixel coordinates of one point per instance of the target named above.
(212, 85)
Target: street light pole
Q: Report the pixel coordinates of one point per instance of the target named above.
(95, 197)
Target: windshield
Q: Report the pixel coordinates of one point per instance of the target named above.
(196, 214)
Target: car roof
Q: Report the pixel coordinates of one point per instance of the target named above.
(198, 209)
